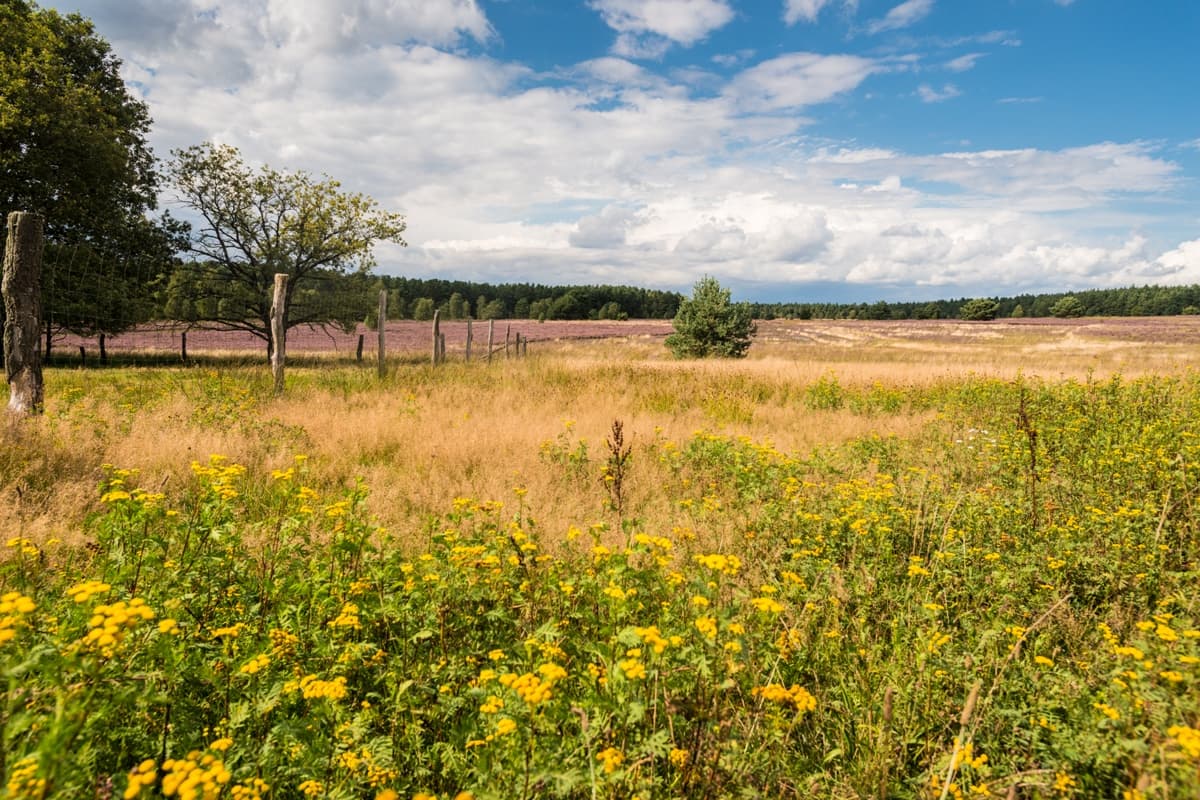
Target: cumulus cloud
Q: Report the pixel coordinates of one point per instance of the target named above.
(604, 230)
(680, 21)
(907, 13)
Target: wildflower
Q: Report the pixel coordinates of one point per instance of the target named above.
(633, 668)
(312, 788)
(109, 624)
(492, 705)
(83, 592)
(1107, 710)
(140, 777)
(678, 757)
(313, 688)
(256, 664)
(707, 626)
(505, 726)
(797, 696)
(1063, 783)
(1187, 737)
(1165, 633)
(347, 618)
(1045, 662)
(612, 758)
(168, 627)
(767, 605)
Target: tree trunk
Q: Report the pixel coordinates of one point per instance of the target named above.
(21, 286)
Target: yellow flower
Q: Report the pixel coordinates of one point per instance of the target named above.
(1045, 662)
(707, 626)
(611, 757)
(1187, 737)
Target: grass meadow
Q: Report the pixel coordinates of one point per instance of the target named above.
(873, 560)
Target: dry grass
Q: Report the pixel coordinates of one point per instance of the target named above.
(423, 437)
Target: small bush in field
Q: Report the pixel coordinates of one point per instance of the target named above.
(708, 324)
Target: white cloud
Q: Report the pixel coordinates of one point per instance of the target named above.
(964, 62)
(798, 79)
(680, 21)
(1020, 100)
(930, 95)
(907, 13)
(808, 10)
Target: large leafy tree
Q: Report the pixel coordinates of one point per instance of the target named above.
(254, 223)
(708, 324)
(73, 148)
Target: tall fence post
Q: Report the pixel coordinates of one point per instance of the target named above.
(470, 337)
(21, 286)
(436, 335)
(507, 336)
(381, 323)
(491, 337)
(278, 330)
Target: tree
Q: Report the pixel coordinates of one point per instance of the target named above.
(708, 324)
(255, 223)
(1068, 306)
(1017, 312)
(73, 148)
(978, 310)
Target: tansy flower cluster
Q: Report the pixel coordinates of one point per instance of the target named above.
(109, 624)
(13, 608)
(796, 696)
(199, 776)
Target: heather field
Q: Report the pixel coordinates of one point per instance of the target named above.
(873, 559)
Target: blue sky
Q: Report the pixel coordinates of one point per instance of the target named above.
(794, 149)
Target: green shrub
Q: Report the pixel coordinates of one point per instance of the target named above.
(708, 324)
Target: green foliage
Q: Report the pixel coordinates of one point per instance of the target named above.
(256, 223)
(1018, 311)
(248, 627)
(73, 148)
(1068, 306)
(708, 324)
(979, 309)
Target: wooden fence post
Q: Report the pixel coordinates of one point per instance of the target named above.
(21, 286)
(381, 324)
(358, 349)
(491, 337)
(103, 351)
(507, 335)
(183, 347)
(436, 335)
(278, 330)
(470, 337)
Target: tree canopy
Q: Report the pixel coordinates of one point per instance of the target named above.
(708, 324)
(254, 223)
(73, 148)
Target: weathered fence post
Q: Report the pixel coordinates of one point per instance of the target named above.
(441, 348)
(436, 334)
(359, 348)
(507, 335)
(278, 330)
(381, 324)
(103, 351)
(21, 286)
(491, 337)
(470, 336)
(183, 347)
